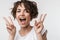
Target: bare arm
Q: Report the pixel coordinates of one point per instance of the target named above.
(45, 35)
(39, 27)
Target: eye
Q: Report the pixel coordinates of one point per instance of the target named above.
(27, 11)
(18, 10)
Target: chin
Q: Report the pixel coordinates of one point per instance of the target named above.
(23, 26)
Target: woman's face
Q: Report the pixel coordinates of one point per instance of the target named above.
(22, 16)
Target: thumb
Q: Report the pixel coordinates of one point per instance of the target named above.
(35, 22)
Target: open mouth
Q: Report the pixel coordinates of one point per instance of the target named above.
(22, 19)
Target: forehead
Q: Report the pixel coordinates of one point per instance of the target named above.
(21, 6)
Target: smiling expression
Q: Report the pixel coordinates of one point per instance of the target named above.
(22, 16)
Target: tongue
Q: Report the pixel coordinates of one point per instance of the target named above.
(23, 22)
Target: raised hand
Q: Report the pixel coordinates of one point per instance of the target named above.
(10, 27)
(39, 25)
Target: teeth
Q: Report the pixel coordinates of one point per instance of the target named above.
(22, 19)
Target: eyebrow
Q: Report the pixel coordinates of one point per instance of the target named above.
(18, 9)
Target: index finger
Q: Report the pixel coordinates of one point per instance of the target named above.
(42, 17)
(10, 19)
(6, 20)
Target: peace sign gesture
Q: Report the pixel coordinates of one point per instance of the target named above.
(10, 26)
(39, 25)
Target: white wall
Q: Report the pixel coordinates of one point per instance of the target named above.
(52, 21)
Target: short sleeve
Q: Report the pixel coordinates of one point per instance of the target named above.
(43, 31)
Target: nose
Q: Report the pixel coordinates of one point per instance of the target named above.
(22, 13)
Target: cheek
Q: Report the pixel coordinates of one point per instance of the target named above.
(28, 17)
(16, 16)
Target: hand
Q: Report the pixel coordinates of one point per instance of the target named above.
(39, 25)
(10, 27)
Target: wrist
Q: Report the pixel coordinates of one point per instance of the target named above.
(11, 37)
(39, 36)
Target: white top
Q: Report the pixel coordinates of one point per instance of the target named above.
(30, 36)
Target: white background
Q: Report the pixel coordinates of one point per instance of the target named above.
(52, 21)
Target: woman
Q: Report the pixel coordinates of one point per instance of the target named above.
(24, 11)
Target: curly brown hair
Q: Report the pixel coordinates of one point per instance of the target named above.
(29, 5)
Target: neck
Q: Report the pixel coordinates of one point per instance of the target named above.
(25, 30)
